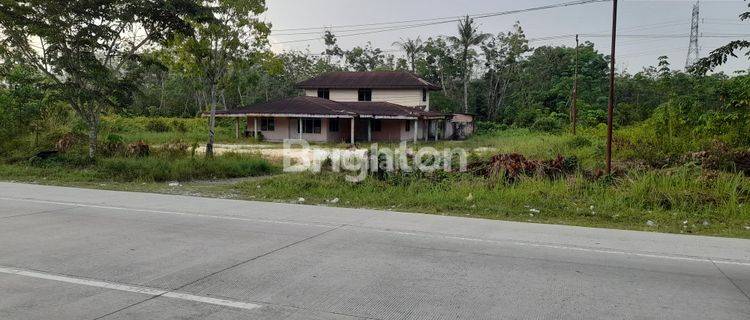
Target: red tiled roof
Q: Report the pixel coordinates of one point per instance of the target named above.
(371, 80)
(314, 106)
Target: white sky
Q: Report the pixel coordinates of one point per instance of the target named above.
(635, 17)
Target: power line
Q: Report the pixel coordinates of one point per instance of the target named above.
(667, 36)
(449, 20)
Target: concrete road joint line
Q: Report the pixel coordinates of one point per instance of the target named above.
(260, 256)
(732, 282)
(445, 236)
(220, 271)
(155, 292)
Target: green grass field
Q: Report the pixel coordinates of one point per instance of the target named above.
(678, 198)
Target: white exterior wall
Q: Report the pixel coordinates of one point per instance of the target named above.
(404, 97)
(409, 98)
(337, 95)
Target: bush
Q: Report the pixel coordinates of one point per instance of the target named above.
(157, 125)
(487, 127)
(179, 126)
(68, 141)
(547, 124)
(175, 148)
(138, 149)
(113, 145)
(579, 142)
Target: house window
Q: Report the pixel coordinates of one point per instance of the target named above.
(364, 95)
(310, 126)
(377, 126)
(324, 93)
(407, 128)
(267, 124)
(424, 95)
(333, 125)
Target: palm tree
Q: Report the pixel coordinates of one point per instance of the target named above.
(468, 36)
(412, 48)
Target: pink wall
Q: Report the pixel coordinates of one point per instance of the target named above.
(286, 128)
(391, 130)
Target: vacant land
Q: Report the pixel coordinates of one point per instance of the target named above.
(655, 187)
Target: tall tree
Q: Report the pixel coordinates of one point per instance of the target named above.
(332, 48)
(468, 37)
(413, 49)
(503, 56)
(231, 34)
(90, 49)
(367, 58)
(439, 64)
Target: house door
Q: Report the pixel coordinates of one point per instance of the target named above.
(360, 129)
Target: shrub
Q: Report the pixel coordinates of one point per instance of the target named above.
(546, 124)
(487, 127)
(138, 149)
(67, 142)
(113, 145)
(579, 142)
(157, 125)
(179, 126)
(175, 148)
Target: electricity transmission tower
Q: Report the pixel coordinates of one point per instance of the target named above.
(693, 54)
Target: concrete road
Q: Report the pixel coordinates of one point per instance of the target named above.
(69, 253)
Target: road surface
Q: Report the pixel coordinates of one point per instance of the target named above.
(68, 253)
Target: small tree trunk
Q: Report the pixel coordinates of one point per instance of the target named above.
(161, 93)
(93, 135)
(466, 93)
(211, 123)
(239, 92)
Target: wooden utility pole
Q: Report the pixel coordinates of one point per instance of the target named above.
(574, 110)
(611, 104)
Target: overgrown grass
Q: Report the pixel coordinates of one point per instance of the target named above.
(587, 146)
(159, 130)
(679, 201)
(158, 168)
(656, 193)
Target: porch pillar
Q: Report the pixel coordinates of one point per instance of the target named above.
(369, 130)
(437, 129)
(352, 130)
(255, 127)
(299, 122)
(427, 131)
(416, 130)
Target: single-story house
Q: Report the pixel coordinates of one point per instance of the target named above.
(351, 107)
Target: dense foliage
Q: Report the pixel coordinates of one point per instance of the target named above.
(223, 60)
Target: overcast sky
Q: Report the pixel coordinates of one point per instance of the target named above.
(634, 18)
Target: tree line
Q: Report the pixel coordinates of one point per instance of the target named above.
(181, 58)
